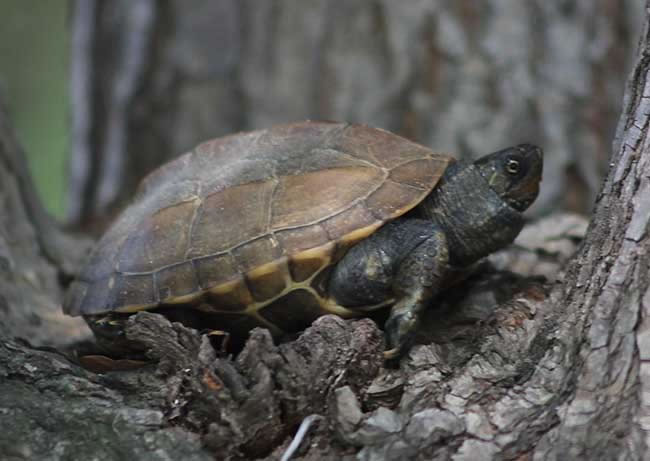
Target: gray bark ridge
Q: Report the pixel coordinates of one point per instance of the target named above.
(33, 253)
(607, 294)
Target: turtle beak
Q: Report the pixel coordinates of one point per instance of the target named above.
(535, 156)
(527, 187)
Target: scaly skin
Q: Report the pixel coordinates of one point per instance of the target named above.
(474, 211)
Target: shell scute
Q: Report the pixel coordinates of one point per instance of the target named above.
(231, 216)
(161, 239)
(269, 280)
(257, 252)
(392, 200)
(334, 189)
(215, 268)
(177, 284)
(231, 296)
(130, 293)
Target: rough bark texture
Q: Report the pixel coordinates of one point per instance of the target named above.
(151, 79)
(510, 367)
(32, 253)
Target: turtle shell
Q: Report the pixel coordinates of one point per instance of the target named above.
(245, 220)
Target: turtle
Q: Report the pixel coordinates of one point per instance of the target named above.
(276, 227)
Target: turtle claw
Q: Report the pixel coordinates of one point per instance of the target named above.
(391, 354)
(399, 328)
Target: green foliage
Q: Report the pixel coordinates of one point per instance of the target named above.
(33, 70)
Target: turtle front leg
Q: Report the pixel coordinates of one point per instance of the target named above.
(405, 261)
(417, 281)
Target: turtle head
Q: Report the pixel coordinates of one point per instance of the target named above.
(514, 174)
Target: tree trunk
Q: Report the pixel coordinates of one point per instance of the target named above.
(152, 79)
(514, 368)
(32, 254)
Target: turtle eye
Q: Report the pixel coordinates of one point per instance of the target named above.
(512, 166)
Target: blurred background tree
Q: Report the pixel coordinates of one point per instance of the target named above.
(33, 80)
(149, 79)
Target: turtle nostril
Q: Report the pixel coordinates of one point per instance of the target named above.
(530, 149)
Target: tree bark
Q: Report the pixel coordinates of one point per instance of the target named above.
(152, 79)
(33, 253)
(511, 368)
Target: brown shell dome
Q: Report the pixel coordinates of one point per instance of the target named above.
(242, 220)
